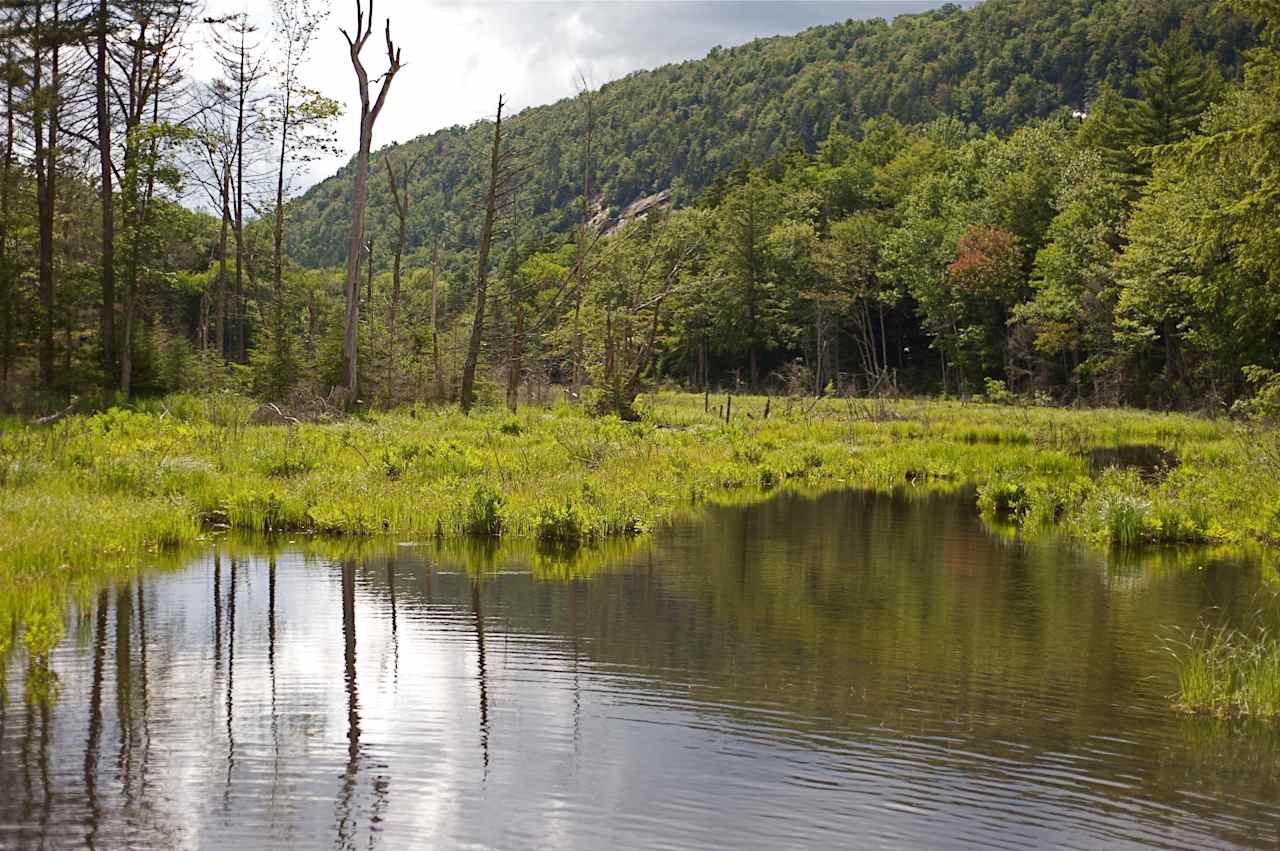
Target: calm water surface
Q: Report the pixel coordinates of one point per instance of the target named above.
(852, 671)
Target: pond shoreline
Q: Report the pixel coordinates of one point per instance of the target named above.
(94, 496)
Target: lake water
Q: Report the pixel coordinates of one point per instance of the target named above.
(846, 671)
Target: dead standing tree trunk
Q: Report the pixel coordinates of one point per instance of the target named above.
(467, 395)
(368, 115)
(515, 366)
(435, 328)
(401, 199)
(580, 268)
(102, 114)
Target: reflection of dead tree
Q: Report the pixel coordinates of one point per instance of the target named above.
(483, 679)
(124, 684)
(271, 666)
(94, 740)
(217, 612)
(145, 686)
(231, 678)
(395, 638)
(346, 826)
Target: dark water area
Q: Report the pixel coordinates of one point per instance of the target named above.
(846, 671)
(1150, 462)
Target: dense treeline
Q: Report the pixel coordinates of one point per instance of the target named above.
(110, 283)
(1075, 201)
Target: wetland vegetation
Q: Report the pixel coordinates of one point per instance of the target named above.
(92, 497)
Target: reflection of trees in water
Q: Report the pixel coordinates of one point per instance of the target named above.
(348, 812)
(478, 619)
(346, 820)
(231, 677)
(395, 636)
(845, 612)
(271, 670)
(94, 739)
(124, 691)
(145, 690)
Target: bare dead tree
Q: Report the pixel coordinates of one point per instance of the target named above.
(7, 171)
(147, 56)
(244, 68)
(296, 22)
(466, 396)
(435, 325)
(584, 243)
(400, 198)
(369, 111)
(213, 171)
(102, 115)
(46, 95)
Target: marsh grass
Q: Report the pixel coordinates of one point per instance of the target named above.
(1228, 671)
(94, 496)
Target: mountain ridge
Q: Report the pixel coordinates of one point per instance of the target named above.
(995, 65)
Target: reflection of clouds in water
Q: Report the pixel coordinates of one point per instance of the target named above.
(796, 672)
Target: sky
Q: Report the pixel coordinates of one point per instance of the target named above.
(457, 57)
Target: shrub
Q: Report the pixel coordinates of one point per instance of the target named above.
(561, 525)
(1004, 499)
(997, 392)
(484, 513)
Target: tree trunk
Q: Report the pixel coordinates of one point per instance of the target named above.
(394, 309)
(581, 268)
(359, 196)
(1172, 374)
(6, 274)
(46, 180)
(515, 365)
(107, 315)
(277, 250)
(220, 308)
(435, 329)
(313, 323)
(466, 397)
(817, 349)
(354, 246)
(239, 309)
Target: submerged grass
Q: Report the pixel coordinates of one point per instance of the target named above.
(93, 495)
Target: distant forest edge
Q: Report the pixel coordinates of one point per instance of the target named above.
(996, 66)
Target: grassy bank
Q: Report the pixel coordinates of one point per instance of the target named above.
(94, 494)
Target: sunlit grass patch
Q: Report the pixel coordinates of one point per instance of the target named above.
(1229, 672)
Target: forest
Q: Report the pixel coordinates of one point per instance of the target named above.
(1054, 202)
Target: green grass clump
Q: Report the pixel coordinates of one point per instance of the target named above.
(561, 526)
(1229, 672)
(1004, 499)
(484, 513)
